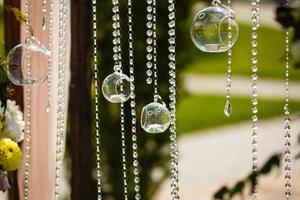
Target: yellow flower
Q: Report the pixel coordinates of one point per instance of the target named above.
(10, 155)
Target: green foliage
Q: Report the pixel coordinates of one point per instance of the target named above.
(5, 89)
(21, 17)
(152, 154)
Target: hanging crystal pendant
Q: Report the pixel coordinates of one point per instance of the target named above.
(209, 30)
(44, 14)
(228, 109)
(155, 117)
(21, 56)
(116, 88)
(44, 23)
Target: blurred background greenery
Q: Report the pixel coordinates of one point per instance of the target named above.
(195, 111)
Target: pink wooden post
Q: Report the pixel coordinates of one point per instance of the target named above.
(43, 129)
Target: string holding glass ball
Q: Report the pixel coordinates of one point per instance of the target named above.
(228, 106)
(24, 54)
(155, 116)
(116, 88)
(209, 30)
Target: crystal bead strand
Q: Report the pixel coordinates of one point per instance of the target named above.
(287, 152)
(228, 106)
(172, 80)
(255, 25)
(136, 169)
(155, 78)
(124, 161)
(50, 38)
(61, 94)
(151, 46)
(117, 49)
(116, 36)
(149, 42)
(96, 99)
(44, 14)
(28, 109)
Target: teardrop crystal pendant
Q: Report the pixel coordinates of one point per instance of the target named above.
(209, 30)
(44, 23)
(155, 118)
(228, 109)
(20, 63)
(116, 88)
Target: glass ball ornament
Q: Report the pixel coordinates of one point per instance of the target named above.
(214, 29)
(27, 63)
(116, 88)
(155, 118)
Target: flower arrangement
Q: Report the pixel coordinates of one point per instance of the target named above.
(11, 133)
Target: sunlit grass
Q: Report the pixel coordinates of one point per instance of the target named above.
(271, 52)
(204, 112)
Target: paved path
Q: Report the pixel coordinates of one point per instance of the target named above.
(241, 86)
(213, 158)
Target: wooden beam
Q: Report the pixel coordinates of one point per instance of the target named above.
(80, 99)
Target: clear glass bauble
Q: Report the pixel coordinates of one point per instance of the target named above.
(116, 87)
(27, 63)
(214, 29)
(155, 118)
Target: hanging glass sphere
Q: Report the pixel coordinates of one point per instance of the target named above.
(116, 87)
(155, 118)
(214, 29)
(21, 63)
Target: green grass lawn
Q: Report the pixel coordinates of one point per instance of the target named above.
(271, 52)
(204, 112)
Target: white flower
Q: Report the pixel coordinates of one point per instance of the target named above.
(14, 123)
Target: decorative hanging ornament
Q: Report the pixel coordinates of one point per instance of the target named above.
(116, 87)
(255, 9)
(287, 120)
(61, 95)
(174, 180)
(44, 15)
(96, 102)
(155, 117)
(228, 107)
(23, 55)
(209, 30)
(134, 137)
